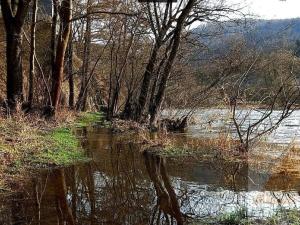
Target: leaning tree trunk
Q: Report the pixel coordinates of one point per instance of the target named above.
(167, 70)
(140, 106)
(64, 33)
(14, 22)
(32, 53)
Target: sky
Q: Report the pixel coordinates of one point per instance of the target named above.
(272, 9)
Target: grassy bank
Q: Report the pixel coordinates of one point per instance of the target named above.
(239, 217)
(30, 142)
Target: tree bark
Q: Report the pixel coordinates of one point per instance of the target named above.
(53, 33)
(82, 97)
(13, 25)
(167, 70)
(70, 71)
(32, 52)
(146, 82)
(64, 33)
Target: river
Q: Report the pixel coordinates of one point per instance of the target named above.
(122, 185)
(212, 122)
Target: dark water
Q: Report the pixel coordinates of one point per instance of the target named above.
(124, 186)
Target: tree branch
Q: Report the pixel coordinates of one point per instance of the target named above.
(102, 12)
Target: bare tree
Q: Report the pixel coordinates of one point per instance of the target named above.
(14, 14)
(32, 52)
(82, 98)
(62, 42)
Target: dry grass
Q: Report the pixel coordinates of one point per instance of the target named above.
(29, 142)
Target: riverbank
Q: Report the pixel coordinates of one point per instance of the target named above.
(120, 172)
(29, 142)
(240, 217)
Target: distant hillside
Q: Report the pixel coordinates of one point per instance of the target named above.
(263, 34)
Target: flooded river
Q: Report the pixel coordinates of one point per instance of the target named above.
(212, 122)
(121, 185)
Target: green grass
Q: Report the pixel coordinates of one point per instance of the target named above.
(90, 118)
(239, 217)
(291, 217)
(234, 218)
(173, 151)
(30, 143)
(61, 148)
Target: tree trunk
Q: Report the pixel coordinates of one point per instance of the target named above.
(146, 82)
(14, 67)
(128, 107)
(70, 71)
(64, 33)
(82, 97)
(167, 70)
(32, 53)
(13, 25)
(53, 33)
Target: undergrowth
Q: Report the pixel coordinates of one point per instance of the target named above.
(91, 118)
(61, 148)
(239, 217)
(29, 142)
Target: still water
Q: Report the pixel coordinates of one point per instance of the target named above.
(122, 185)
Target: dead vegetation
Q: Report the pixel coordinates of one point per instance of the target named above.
(28, 142)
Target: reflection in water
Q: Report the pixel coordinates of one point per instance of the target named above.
(123, 186)
(64, 212)
(166, 198)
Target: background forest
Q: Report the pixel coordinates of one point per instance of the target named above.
(133, 59)
(137, 61)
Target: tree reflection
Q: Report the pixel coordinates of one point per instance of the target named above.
(167, 202)
(64, 212)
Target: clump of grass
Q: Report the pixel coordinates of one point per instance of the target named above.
(239, 217)
(174, 151)
(29, 142)
(234, 218)
(90, 118)
(291, 217)
(175, 146)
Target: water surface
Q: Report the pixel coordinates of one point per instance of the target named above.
(213, 122)
(122, 185)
